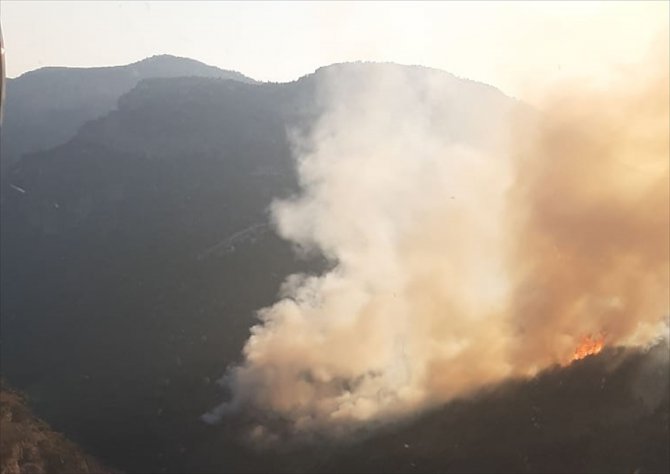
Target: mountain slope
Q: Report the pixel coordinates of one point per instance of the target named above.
(27, 444)
(47, 106)
(135, 254)
(606, 413)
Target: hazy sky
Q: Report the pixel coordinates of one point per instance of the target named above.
(516, 46)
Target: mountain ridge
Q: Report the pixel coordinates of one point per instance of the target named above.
(144, 242)
(47, 106)
(148, 62)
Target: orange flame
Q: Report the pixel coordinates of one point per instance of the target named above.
(588, 346)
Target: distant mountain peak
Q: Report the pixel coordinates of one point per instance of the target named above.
(162, 62)
(165, 56)
(46, 107)
(170, 65)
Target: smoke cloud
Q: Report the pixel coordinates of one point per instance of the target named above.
(472, 239)
(590, 211)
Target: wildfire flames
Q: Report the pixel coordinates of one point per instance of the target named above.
(588, 346)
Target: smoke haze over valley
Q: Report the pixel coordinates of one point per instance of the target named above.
(375, 267)
(451, 243)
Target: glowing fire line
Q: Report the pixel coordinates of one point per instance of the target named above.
(588, 346)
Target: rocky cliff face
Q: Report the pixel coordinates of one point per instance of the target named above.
(29, 446)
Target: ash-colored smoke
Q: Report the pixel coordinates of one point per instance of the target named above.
(590, 217)
(461, 257)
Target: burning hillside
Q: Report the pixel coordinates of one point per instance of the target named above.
(588, 346)
(459, 264)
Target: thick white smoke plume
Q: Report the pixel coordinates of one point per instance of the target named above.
(411, 186)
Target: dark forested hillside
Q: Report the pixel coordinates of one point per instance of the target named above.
(135, 252)
(607, 413)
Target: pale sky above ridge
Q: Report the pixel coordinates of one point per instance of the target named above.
(515, 46)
